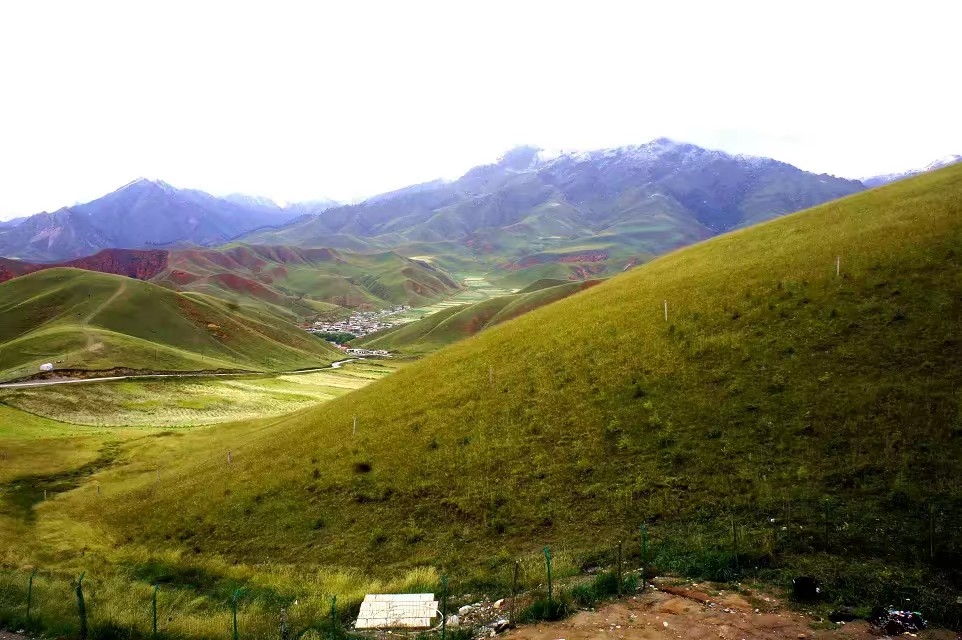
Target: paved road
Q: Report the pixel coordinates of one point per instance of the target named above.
(186, 374)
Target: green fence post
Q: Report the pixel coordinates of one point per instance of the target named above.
(931, 532)
(334, 627)
(644, 556)
(444, 606)
(514, 592)
(30, 593)
(619, 569)
(547, 560)
(826, 524)
(237, 594)
(82, 606)
(154, 608)
(735, 543)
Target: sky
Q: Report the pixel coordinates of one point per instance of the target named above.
(300, 100)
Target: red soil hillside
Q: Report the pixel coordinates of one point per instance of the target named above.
(133, 263)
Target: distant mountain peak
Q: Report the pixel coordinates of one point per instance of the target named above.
(520, 158)
(944, 161)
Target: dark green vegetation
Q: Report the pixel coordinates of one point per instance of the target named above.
(85, 320)
(305, 283)
(579, 215)
(456, 323)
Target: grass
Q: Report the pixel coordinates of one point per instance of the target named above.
(189, 401)
(85, 320)
(302, 284)
(785, 419)
(452, 323)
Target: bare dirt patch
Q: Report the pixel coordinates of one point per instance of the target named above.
(658, 615)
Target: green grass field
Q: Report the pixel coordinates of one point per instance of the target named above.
(87, 320)
(797, 412)
(180, 402)
(449, 324)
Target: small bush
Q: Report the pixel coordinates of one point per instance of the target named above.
(543, 609)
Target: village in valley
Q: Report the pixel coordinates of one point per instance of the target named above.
(359, 324)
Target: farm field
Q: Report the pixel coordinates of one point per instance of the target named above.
(183, 402)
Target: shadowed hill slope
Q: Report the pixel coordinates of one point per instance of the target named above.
(774, 381)
(87, 320)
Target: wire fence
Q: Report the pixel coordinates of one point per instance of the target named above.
(908, 556)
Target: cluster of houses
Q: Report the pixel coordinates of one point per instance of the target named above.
(361, 323)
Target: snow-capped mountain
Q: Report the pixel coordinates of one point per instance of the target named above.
(944, 161)
(649, 197)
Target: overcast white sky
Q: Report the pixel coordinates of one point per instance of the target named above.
(346, 99)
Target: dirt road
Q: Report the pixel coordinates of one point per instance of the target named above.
(185, 374)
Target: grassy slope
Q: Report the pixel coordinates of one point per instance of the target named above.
(773, 382)
(303, 283)
(456, 323)
(189, 401)
(92, 320)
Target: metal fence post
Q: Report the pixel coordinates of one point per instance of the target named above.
(30, 593)
(444, 606)
(826, 525)
(82, 606)
(619, 569)
(514, 592)
(237, 595)
(644, 556)
(547, 560)
(154, 608)
(334, 629)
(735, 543)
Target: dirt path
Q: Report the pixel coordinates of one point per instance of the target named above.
(657, 615)
(4, 635)
(185, 374)
(92, 344)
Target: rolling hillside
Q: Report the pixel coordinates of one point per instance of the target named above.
(86, 320)
(305, 282)
(132, 263)
(456, 323)
(784, 385)
(297, 284)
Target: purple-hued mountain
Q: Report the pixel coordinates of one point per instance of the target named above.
(143, 214)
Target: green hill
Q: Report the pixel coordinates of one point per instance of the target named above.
(809, 403)
(456, 323)
(304, 283)
(87, 320)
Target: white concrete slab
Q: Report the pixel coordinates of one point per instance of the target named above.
(397, 610)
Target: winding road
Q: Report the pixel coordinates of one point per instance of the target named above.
(186, 374)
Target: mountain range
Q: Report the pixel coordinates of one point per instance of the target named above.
(611, 205)
(143, 214)
(532, 214)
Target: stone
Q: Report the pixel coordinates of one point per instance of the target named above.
(453, 621)
(464, 610)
